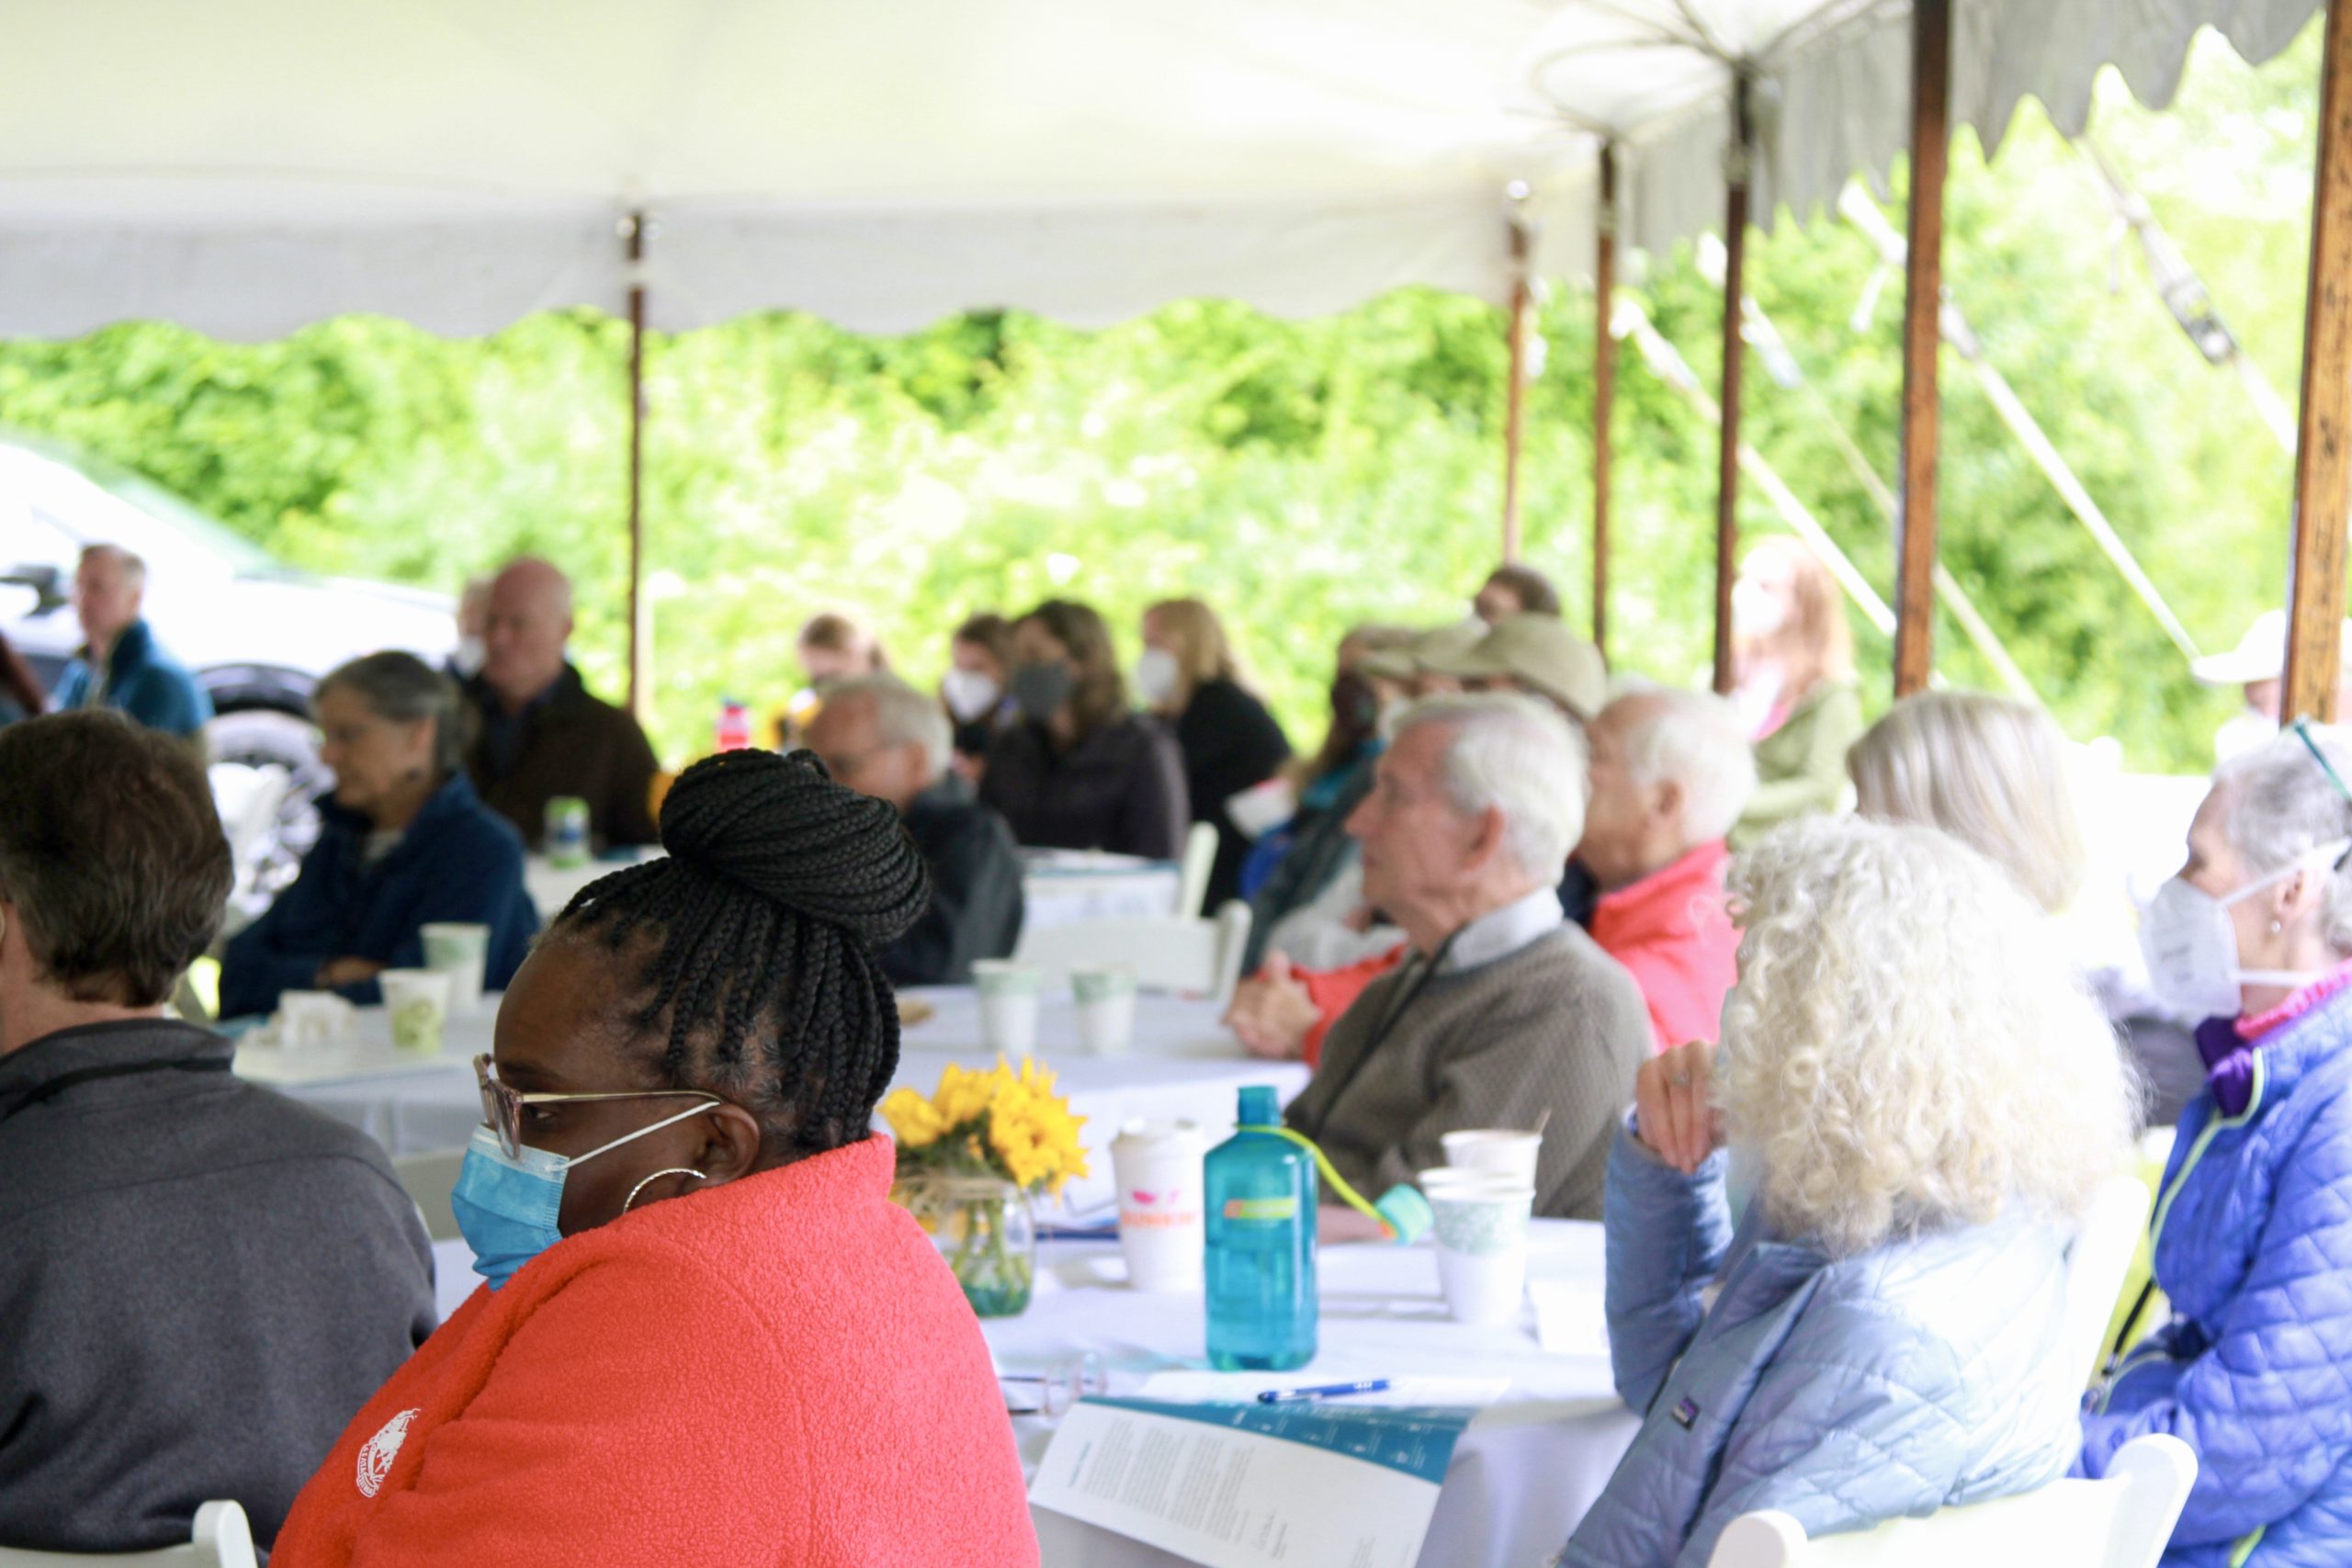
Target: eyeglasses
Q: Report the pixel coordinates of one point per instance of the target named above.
(502, 1104)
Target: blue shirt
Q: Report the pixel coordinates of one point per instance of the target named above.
(142, 680)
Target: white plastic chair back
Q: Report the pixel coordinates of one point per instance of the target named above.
(428, 1178)
(2096, 1266)
(1196, 956)
(2120, 1521)
(1200, 859)
(223, 1539)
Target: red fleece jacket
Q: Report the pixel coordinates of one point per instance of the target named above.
(778, 1371)
(1673, 931)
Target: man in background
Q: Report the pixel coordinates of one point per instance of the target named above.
(122, 665)
(882, 738)
(543, 735)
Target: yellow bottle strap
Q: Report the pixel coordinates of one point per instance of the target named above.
(1336, 1182)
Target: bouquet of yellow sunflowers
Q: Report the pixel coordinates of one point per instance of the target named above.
(999, 1122)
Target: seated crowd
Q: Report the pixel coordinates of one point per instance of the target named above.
(1839, 1087)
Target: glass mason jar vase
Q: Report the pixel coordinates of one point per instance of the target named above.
(985, 1229)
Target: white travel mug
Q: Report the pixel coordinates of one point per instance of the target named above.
(1157, 1168)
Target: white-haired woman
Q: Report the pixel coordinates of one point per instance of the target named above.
(2253, 1229)
(1874, 1185)
(1993, 773)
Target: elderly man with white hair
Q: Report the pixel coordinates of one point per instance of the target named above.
(1671, 772)
(1504, 1013)
(882, 738)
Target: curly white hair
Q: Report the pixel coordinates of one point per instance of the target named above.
(1907, 1048)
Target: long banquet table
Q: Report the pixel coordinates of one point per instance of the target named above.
(1181, 1065)
(1521, 1476)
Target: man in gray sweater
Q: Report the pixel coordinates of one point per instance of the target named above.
(200, 1281)
(1503, 1011)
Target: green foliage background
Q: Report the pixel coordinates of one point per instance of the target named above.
(1303, 476)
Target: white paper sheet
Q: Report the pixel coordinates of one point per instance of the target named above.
(1571, 1316)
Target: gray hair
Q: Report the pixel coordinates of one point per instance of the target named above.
(133, 566)
(402, 687)
(902, 716)
(1693, 739)
(2283, 807)
(1518, 755)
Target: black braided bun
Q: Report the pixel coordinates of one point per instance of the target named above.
(754, 943)
(778, 825)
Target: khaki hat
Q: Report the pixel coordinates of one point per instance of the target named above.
(1449, 641)
(1539, 653)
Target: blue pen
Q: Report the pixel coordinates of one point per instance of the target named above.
(1328, 1391)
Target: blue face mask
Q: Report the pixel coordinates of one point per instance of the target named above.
(506, 1207)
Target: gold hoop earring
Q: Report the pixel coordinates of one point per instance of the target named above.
(673, 1170)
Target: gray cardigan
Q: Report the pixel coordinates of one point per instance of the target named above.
(200, 1281)
(1557, 1026)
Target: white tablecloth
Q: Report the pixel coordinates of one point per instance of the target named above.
(1182, 1065)
(1522, 1475)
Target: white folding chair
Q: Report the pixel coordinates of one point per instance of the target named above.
(428, 1178)
(221, 1538)
(1200, 859)
(2096, 1266)
(1193, 955)
(2120, 1521)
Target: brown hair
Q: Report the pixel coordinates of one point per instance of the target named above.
(839, 633)
(1533, 591)
(990, 631)
(1816, 644)
(1100, 694)
(111, 850)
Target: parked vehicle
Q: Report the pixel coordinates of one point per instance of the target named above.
(257, 633)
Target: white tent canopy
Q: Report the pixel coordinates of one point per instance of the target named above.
(245, 166)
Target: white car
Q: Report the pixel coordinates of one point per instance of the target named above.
(257, 634)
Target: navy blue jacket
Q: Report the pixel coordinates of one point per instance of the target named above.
(459, 861)
(143, 680)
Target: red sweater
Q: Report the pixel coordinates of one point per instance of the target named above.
(1672, 930)
(778, 1371)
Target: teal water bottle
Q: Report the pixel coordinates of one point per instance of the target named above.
(1258, 1192)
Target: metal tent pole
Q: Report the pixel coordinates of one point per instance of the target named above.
(1605, 388)
(640, 693)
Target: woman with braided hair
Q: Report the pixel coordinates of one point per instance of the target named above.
(706, 1334)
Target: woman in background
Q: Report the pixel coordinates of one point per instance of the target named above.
(1192, 680)
(1794, 656)
(975, 691)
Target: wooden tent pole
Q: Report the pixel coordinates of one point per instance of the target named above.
(1515, 396)
(1739, 165)
(640, 694)
(1914, 598)
(2324, 449)
(1605, 388)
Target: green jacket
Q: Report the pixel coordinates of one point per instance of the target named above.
(1801, 767)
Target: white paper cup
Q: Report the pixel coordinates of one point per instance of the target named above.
(418, 1002)
(1157, 1168)
(1008, 1004)
(1501, 1150)
(1106, 1009)
(310, 1017)
(460, 951)
(1481, 1233)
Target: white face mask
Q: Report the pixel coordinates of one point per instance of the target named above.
(1157, 676)
(2192, 949)
(1757, 611)
(971, 694)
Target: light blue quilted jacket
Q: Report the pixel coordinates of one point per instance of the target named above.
(1918, 1375)
(2253, 1247)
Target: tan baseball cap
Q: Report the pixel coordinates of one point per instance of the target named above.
(1539, 653)
(1451, 640)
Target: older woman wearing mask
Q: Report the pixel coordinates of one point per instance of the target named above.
(404, 842)
(1794, 654)
(1993, 773)
(2253, 1228)
(707, 1335)
(1078, 770)
(1837, 1251)
(1192, 680)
